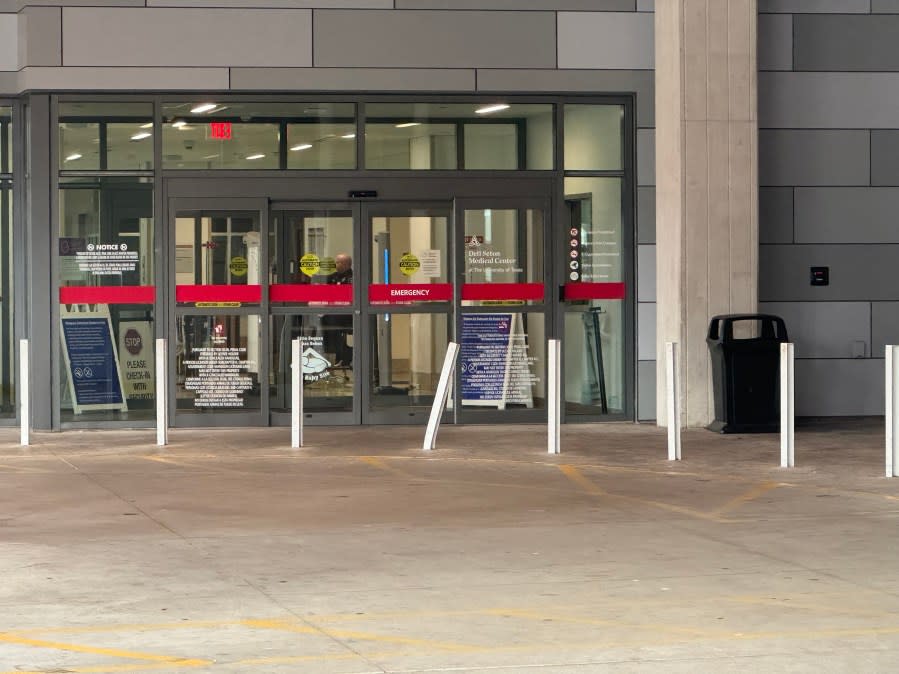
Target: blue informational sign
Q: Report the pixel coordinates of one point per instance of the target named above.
(484, 350)
(91, 357)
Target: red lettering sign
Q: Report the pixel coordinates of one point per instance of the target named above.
(403, 293)
(220, 130)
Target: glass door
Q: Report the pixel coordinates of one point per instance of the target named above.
(217, 333)
(407, 311)
(503, 309)
(314, 298)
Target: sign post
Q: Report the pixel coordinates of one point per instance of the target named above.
(440, 396)
(554, 391)
(162, 393)
(787, 412)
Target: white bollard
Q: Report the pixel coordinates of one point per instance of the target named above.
(162, 393)
(787, 407)
(296, 394)
(674, 453)
(440, 396)
(554, 395)
(24, 394)
(892, 414)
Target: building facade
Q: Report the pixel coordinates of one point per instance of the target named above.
(380, 177)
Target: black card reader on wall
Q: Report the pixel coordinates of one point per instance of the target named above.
(820, 276)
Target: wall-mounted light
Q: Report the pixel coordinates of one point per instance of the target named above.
(496, 107)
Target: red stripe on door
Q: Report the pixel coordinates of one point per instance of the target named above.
(402, 293)
(107, 295)
(595, 291)
(212, 293)
(502, 291)
(324, 294)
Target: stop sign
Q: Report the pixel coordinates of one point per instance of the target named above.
(133, 341)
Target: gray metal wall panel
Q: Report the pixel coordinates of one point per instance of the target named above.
(814, 157)
(18, 5)
(646, 215)
(9, 42)
(646, 156)
(646, 331)
(641, 82)
(352, 79)
(825, 329)
(646, 273)
(775, 42)
(857, 273)
(884, 326)
(814, 6)
(646, 390)
(186, 37)
(40, 36)
(839, 387)
(435, 39)
(616, 41)
(775, 215)
(885, 6)
(123, 79)
(884, 157)
(646, 5)
(847, 215)
(846, 43)
(559, 5)
(9, 83)
(828, 100)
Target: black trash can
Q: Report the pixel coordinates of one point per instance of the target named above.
(746, 372)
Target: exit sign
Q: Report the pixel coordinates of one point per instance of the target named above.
(220, 130)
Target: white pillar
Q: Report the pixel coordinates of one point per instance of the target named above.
(672, 401)
(296, 394)
(24, 393)
(787, 407)
(554, 395)
(892, 413)
(162, 393)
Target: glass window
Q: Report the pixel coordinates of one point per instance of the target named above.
(427, 135)
(105, 136)
(593, 137)
(7, 333)
(323, 138)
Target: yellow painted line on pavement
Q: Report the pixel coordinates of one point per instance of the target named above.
(107, 669)
(169, 660)
(746, 497)
(380, 464)
(352, 634)
(576, 476)
(623, 624)
(837, 608)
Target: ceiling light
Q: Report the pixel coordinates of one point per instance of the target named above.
(406, 125)
(141, 135)
(255, 156)
(211, 156)
(180, 124)
(496, 107)
(348, 135)
(203, 107)
(148, 125)
(73, 157)
(304, 146)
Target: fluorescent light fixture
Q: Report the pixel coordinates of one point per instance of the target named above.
(303, 146)
(406, 125)
(73, 156)
(496, 107)
(180, 124)
(255, 156)
(211, 156)
(203, 107)
(141, 135)
(348, 135)
(148, 125)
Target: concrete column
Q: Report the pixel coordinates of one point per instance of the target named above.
(706, 182)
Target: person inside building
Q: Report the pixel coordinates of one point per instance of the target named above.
(339, 327)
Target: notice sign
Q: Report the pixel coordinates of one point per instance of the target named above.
(219, 379)
(496, 366)
(136, 347)
(315, 366)
(95, 382)
(105, 259)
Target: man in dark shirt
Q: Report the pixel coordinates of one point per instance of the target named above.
(338, 327)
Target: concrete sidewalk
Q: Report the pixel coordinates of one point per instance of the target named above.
(228, 552)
